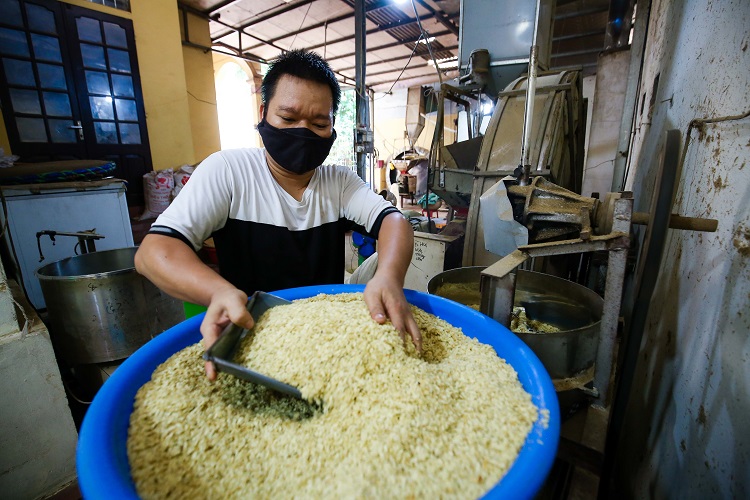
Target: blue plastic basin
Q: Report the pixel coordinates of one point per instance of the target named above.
(102, 461)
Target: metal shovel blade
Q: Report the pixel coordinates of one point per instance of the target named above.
(222, 352)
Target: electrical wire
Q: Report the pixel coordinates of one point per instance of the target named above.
(427, 42)
(199, 99)
(587, 169)
(73, 394)
(291, 45)
(416, 44)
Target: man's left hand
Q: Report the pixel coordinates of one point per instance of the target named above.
(385, 299)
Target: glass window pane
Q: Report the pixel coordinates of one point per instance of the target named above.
(117, 4)
(25, 101)
(115, 36)
(97, 82)
(40, 18)
(10, 12)
(122, 85)
(101, 108)
(60, 131)
(119, 60)
(46, 47)
(56, 104)
(126, 110)
(106, 132)
(31, 129)
(88, 29)
(19, 72)
(93, 56)
(130, 133)
(51, 76)
(13, 42)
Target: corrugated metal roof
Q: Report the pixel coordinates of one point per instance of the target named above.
(268, 27)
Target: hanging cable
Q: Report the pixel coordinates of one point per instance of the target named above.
(423, 34)
(300, 26)
(416, 44)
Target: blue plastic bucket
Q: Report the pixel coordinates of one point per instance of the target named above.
(102, 461)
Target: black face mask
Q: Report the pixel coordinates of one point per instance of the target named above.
(297, 150)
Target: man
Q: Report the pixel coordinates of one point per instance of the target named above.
(277, 217)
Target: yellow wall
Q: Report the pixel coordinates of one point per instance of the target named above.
(163, 64)
(201, 89)
(159, 46)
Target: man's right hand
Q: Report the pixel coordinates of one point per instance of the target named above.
(228, 305)
(173, 266)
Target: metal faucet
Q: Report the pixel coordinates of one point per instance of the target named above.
(86, 240)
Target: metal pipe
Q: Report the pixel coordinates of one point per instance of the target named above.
(371, 99)
(85, 239)
(432, 160)
(528, 114)
(616, 266)
(362, 111)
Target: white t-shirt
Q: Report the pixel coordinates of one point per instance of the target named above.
(265, 239)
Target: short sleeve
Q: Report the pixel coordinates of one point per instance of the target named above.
(360, 204)
(202, 206)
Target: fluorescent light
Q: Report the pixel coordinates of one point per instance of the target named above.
(430, 39)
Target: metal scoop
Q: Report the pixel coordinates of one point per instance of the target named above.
(222, 352)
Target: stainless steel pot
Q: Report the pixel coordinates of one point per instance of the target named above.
(574, 308)
(100, 309)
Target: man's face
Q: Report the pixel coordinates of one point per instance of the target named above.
(299, 103)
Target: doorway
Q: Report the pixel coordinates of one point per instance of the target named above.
(237, 107)
(71, 88)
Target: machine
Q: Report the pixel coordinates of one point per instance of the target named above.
(530, 158)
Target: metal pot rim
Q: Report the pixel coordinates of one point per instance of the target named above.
(50, 277)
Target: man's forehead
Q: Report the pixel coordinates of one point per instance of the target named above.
(290, 87)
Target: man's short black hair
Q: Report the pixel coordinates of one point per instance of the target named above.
(303, 64)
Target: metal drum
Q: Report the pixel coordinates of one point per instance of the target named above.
(100, 309)
(576, 310)
(469, 296)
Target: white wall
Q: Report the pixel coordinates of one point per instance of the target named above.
(389, 124)
(687, 425)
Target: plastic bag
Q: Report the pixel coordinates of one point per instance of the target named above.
(502, 234)
(430, 200)
(157, 189)
(180, 179)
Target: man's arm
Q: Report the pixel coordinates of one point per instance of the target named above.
(171, 265)
(384, 293)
